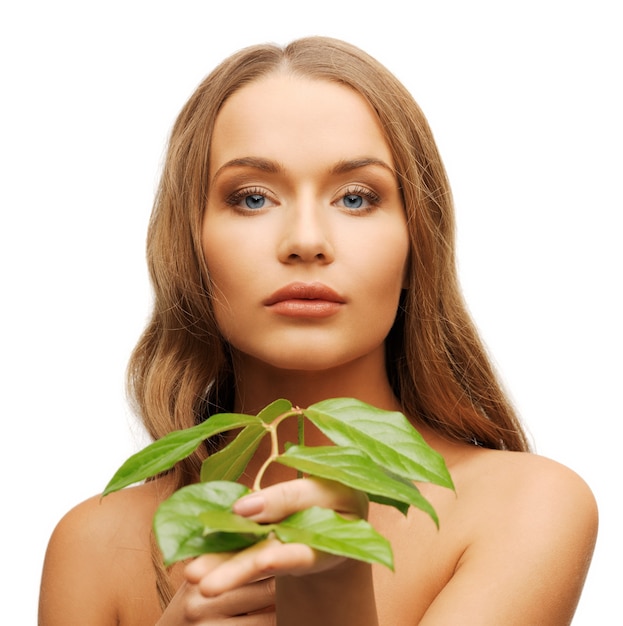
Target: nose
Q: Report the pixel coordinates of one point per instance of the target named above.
(306, 236)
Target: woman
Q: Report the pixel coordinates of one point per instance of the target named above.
(301, 246)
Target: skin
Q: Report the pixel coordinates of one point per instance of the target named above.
(515, 540)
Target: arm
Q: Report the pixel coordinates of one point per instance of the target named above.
(530, 551)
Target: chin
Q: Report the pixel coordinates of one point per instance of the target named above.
(319, 359)
(307, 363)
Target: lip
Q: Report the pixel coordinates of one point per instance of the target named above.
(305, 300)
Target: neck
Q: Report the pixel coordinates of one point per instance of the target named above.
(258, 384)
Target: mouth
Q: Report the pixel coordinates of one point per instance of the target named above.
(305, 300)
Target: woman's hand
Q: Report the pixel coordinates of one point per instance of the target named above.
(271, 557)
(253, 603)
(225, 588)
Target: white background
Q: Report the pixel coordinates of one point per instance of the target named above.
(525, 101)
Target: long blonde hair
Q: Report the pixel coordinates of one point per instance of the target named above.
(180, 372)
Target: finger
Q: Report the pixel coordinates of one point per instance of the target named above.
(204, 564)
(276, 502)
(266, 558)
(257, 597)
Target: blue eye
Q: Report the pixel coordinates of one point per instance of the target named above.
(359, 199)
(250, 200)
(353, 201)
(255, 201)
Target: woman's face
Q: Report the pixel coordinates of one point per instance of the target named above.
(304, 232)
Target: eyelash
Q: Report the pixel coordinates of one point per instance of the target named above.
(238, 196)
(372, 198)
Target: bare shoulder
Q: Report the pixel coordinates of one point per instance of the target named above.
(532, 499)
(95, 552)
(544, 488)
(521, 468)
(529, 526)
(117, 520)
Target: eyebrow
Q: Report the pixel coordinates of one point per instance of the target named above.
(258, 163)
(273, 167)
(343, 167)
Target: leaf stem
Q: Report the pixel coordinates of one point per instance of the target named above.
(301, 436)
(301, 428)
(274, 442)
(274, 453)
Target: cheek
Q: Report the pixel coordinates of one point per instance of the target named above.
(393, 261)
(219, 251)
(383, 276)
(234, 271)
(221, 270)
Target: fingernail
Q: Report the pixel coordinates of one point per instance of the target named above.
(249, 505)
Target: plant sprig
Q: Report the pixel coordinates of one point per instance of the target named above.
(376, 451)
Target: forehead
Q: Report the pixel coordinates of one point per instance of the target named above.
(297, 120)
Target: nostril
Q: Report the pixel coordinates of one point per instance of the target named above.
(294, 257)
(303, 245)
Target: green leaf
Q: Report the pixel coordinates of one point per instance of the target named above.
(230, 462)
(274, 410)
(355, 469)
(377, 452)
(164, 453)
(215, 521)
(385, 436)
(325, 530)
(178, 524)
